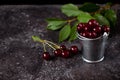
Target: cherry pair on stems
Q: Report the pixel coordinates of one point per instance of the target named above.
(61, 52)
(58, 51)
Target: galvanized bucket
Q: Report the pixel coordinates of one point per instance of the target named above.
(93, 49)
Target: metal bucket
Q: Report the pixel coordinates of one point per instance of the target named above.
(93, 49)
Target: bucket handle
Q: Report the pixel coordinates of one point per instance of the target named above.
(105, 36)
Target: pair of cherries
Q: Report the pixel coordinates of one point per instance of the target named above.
(62, 52)
(92, 29)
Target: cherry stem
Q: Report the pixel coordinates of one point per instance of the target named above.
(71, 20)
(55, 45)
(44, 42)
(50, 45)
(44, 47)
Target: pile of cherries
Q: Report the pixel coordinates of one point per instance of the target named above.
(61, 52)
(92, 29)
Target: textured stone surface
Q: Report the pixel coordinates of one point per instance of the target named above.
(20, 57)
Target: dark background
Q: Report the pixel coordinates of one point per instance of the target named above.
(42, 2)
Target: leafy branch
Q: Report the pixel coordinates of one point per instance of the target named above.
(83, 13)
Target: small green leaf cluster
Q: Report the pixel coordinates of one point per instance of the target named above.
(82, 13)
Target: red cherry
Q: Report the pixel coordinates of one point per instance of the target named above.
(86, 28)
(63, 47)
(58, 52)
(46, 56)
(80, 27)
(81, 33)
(93, 22)
(84, 34)
(74, 49)
(97, 29)
(81, 24)
(92, 35)
(106, 28)
(65, 53)
(89, 35)
(89, 27)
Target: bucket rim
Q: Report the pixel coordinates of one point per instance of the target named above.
(84, 38)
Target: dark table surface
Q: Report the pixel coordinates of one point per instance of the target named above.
(20, 57)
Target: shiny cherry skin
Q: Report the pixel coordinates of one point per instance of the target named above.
(46, 56)
(86, 28)
(89, 27)
(85, 34)
(97, 29)
(58, 52)
(93, 22)
(80, 27)
(63, 47)
(106, 28)
(92, 35)
(65, 53)
(74, 49)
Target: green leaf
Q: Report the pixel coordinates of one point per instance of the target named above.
(111, 16)
(101, 19)
(64, 33)
(84, 17)
(37, 39)
(70, 10)
(73, 35)
(54, 27)
(89, 7)
(55, 24)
